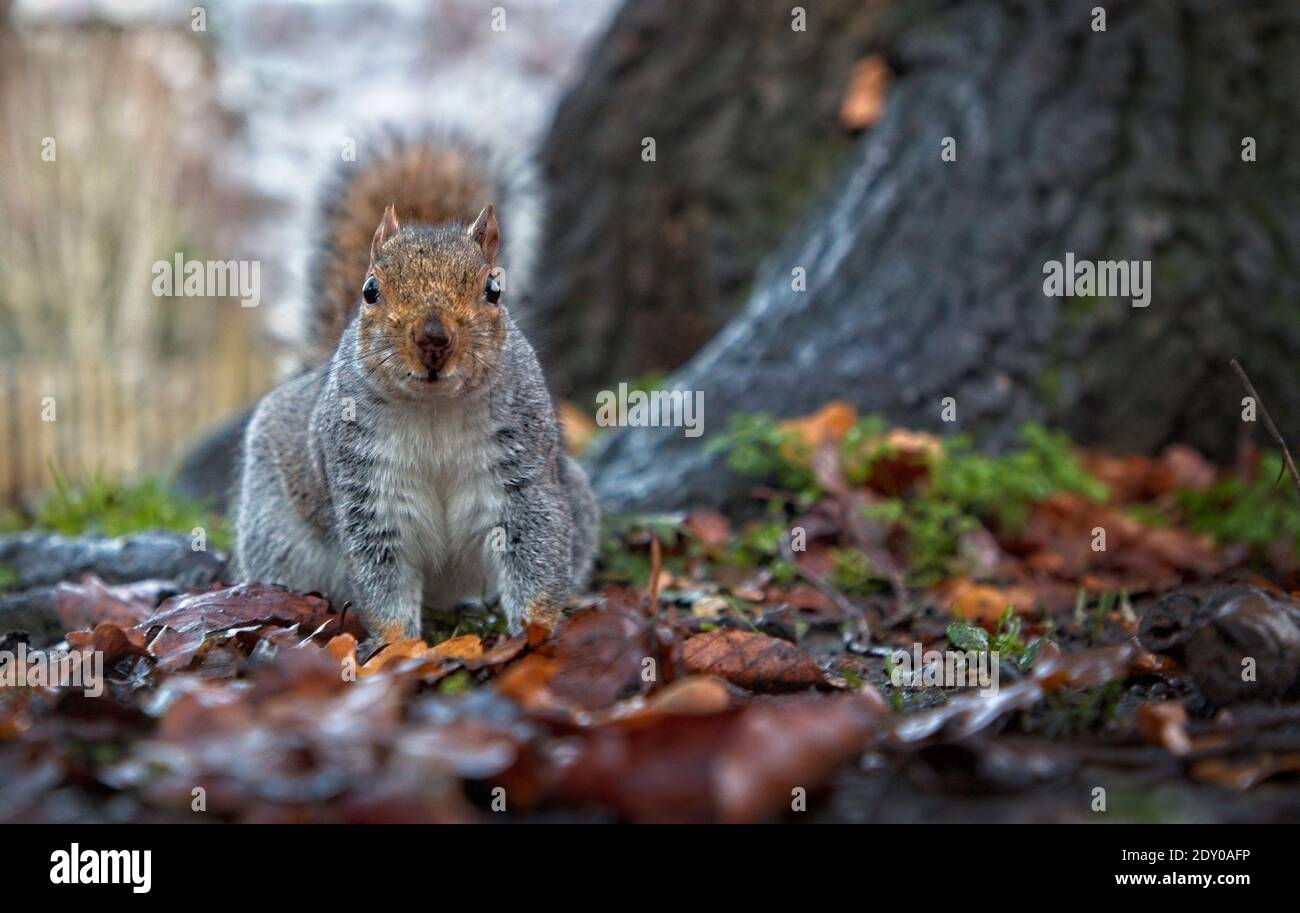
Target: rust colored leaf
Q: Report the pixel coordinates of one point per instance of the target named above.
(181, 624)
(501, 653)
(527, 683)
(984, 604)
(780, 745)
(1245, 773)
(111, 640)
(708, 527)
(752, 661)
(739, 764)
(828, 424)
(411, 656)
(82, 606)
(465, 647)
(601, 656)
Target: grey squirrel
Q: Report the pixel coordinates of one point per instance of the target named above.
(420, 462)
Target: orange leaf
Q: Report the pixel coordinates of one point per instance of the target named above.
(984, 604)
(465, 647)
(829, 423)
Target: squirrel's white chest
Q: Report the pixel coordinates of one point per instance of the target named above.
(435, 484)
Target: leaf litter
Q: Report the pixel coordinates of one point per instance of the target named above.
(729, 666)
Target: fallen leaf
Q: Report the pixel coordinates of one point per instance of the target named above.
(752, 661)
(527, 683)
(708, 527)
(600, 657)
(739, 764)
(467, 647)
(82, 606)
(779, 746)
(181, 624)
(1246, 773)
(984, 604)
(828, 424)
(413, 657)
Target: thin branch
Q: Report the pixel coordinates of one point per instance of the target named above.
(1268, 423)
(847, 606)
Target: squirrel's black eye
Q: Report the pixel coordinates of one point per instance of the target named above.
(370, 291)
(493, 290)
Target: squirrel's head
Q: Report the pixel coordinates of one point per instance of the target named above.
(431, 320)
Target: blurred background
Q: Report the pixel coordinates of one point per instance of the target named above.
(843, 199)
(166, 133)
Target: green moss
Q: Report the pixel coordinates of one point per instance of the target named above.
(457, 683)
(1006, 641)
(1075, 713)
(962, 488)
(96, 506)
(760, 545)
(756, 447)
(619, 563)
(1256, 513)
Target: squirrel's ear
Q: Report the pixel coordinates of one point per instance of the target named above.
(387, 228)
(485, 234)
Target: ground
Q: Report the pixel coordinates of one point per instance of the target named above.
(746, 665)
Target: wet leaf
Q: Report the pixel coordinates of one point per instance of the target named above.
(752, 661)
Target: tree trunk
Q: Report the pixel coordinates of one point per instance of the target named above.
(925, 278)
(646, 260)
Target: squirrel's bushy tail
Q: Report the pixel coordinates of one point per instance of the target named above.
(433, 178)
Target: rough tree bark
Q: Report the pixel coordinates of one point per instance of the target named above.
(925, 277)
(645, 261)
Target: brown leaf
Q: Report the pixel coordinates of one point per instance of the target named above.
(738, 764)
(111, 640)
(526, 683)
(502, 652)
(708, 527)
(695, 695)
(82, 606)
(752, 661)
(182, 623)
(601, 655)
(1244, 773)
(782, 745)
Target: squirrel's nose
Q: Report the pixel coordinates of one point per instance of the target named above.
(434, 344)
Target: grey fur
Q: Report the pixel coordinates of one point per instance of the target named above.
(394, 508)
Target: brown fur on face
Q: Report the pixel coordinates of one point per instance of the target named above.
(432, 271)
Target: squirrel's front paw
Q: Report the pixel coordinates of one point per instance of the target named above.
(544, 610)
(389, 627)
